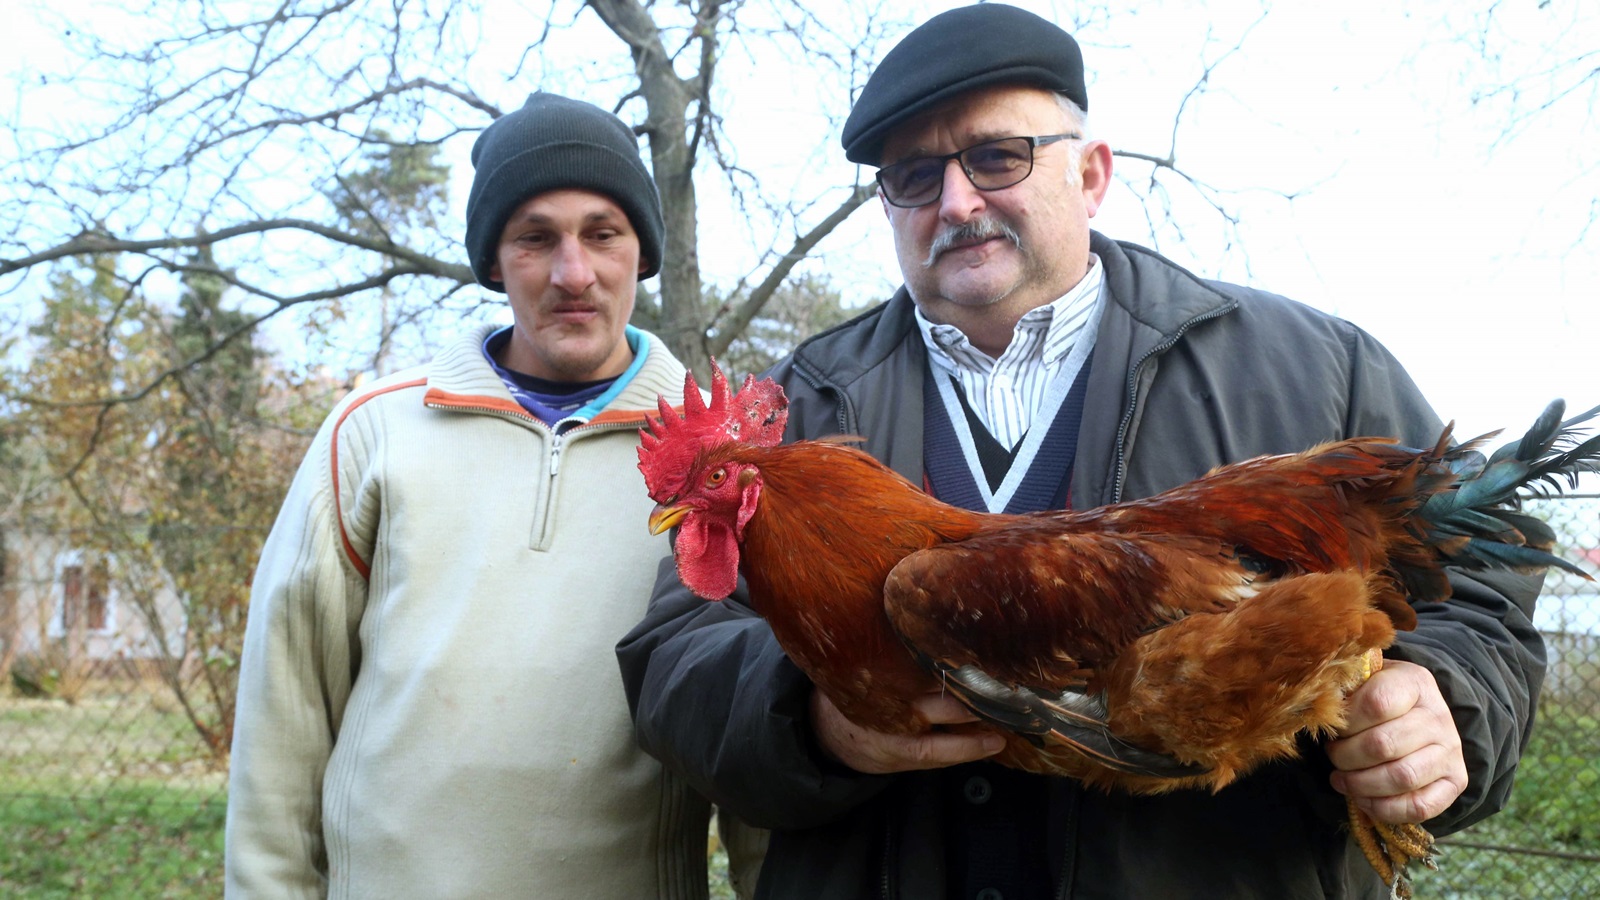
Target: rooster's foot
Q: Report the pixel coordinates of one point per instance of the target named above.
(1391, 849)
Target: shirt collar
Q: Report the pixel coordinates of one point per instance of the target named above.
(949, 346)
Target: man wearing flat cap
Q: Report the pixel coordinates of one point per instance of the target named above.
(1032, 363)
(428, 702)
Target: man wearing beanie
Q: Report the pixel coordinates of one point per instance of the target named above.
(1032, 363)
(428, 702)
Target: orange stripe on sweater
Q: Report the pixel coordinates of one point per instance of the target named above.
(631, 416)
(338, 502)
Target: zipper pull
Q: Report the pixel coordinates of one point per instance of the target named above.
(555, 455)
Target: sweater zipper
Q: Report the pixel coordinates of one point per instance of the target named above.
(885, 886)
(558, 440)
(1069, 860)
(1163, 346)
(482, 410)
(558, 445)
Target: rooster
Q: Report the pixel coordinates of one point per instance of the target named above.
(1171, 642)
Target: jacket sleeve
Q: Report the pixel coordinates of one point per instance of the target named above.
(295, 674)
(1489, 661)
(716, 699)
(1480, 645)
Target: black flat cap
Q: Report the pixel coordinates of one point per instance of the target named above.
(957, 51)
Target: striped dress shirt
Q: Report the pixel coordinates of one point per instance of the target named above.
(1005, 392)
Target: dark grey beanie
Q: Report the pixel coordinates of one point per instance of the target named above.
(957, 51)
(553, 143)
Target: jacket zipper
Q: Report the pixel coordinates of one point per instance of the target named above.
(1068, 863)
(820, 384)
(482, 410)
(1163, 346)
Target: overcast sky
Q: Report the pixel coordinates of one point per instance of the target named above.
(1425, 209)
(1422, 211)
(1417, 214)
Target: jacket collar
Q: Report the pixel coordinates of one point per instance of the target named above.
(1159, 294)
(842, 354)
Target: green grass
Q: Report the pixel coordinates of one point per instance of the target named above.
(1554, 809)
(112, 796)
(144, 842)
(105, 800)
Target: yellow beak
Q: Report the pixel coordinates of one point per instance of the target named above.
(664, 517)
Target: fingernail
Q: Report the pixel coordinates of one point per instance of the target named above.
(993, 743)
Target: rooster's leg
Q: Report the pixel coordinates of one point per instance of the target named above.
(1391, 849)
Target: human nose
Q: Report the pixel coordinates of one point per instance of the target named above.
(571, 270)
(959, 199)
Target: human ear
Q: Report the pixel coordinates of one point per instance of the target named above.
(1095, 172)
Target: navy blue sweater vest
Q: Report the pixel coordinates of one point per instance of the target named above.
(995, 823)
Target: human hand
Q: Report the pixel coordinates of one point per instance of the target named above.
(879, 753)
(1399, 756)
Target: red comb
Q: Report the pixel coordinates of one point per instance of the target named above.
(667, 445)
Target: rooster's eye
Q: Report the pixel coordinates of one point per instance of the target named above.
(716, 477)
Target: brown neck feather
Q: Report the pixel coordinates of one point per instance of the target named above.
(831, 524)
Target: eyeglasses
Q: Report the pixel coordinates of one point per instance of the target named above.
(990, 166)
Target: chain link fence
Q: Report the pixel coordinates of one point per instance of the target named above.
(1546, 843)
(107, 788)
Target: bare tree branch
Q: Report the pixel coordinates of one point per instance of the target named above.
(728, 329)
(1153, 192)
(89, 242)
(252, 132)
(283, 303)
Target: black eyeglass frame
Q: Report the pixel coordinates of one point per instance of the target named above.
(960, 156)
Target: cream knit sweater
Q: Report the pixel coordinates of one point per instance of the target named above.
(429, 705)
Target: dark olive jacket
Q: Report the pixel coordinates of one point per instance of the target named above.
(1187, 374)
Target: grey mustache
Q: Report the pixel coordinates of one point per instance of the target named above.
(975, 230)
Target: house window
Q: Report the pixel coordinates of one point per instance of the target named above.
(85, 595)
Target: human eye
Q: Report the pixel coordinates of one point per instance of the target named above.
(534, 238)
(915, 175)
(606, 230)
(997, 157)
